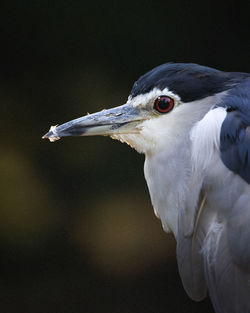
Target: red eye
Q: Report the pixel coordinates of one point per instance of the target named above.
(163, 104)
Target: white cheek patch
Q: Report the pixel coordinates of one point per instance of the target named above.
(147, 99)
(148, 130)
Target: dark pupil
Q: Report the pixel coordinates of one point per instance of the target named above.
(163, 104)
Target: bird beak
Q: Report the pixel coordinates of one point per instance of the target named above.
(120, 120)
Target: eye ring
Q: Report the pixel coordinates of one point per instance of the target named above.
(163, 104)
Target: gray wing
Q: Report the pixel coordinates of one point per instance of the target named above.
(215, 255)
(235, 130)
(189, 245)
(227, 244)
(226, 252)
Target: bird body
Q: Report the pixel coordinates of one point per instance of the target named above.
(193, 125)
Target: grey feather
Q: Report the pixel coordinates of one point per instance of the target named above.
(216, 255)
(235, 131)
(190, 260)
(228, 282)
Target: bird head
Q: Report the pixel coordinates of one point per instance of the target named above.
(155, 101)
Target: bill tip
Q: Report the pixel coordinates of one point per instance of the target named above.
(51, 135)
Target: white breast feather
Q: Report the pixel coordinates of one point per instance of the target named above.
(205, 138)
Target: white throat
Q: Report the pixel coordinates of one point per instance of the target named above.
(166, 143)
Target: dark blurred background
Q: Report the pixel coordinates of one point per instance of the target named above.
(77, 230)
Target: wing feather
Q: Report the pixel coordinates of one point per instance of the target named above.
(228, 282)
(190, 260)
(215, 254)
(235, 130)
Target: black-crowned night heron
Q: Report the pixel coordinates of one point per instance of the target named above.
(193, 125)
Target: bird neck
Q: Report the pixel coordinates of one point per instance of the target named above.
(167, 172)
(168, 168)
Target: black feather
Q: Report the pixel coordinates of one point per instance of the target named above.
(235, 130)
(189, 81)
